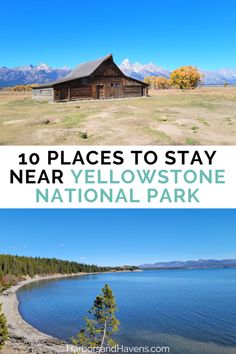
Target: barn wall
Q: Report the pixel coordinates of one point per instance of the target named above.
(43, 94)
(73, 93)
(76, 89)
(107, 87)
(132, 88)
(101, 87)
(83, 92)
(132, 91)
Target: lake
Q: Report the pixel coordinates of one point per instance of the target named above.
(191, 311)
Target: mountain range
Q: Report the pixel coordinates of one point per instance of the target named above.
(43, 74)
(30, 74)
(198, 264)
(139, 71)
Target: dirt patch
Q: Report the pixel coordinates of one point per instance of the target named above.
(205, 115)
(14, 121)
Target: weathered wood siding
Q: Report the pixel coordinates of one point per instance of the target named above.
(83, 92)
(107, 87)
(108, 68)
(71, 90)
(42, 94)
(132, 88)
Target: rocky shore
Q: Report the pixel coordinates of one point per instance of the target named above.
(23, 338)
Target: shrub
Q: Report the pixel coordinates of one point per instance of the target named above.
(84, 135)
(3, 328)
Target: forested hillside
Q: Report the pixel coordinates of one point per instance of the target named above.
(22, 266)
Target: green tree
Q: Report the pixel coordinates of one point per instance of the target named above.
(186, 77)
(99, 329)
(22, 266)
(3, 328)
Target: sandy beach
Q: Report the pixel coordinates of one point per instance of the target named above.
(22, 336)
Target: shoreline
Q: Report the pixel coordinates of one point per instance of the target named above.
(23, 337)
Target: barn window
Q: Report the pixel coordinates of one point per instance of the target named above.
(115, 84)
(84, 81)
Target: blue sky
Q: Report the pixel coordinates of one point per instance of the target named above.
(116, 237)
(169, 33)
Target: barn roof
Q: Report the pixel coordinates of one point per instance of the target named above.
(84, 69)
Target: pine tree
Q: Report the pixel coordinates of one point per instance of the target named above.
(99, 329)
(19, 265)
(3, 328)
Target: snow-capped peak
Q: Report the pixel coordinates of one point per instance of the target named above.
(139, 70)
(44, 67)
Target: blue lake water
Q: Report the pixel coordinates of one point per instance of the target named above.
(191, 311)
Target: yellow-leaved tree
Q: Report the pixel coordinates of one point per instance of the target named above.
(162, 83)
(157, 82)
(185, 77)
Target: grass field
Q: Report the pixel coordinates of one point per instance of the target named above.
(205, 116)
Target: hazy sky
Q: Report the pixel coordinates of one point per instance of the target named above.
(115, 237)
(169, 33)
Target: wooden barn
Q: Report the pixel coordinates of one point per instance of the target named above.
(99, 79)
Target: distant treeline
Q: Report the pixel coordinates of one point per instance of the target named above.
(19, 88)
(184, 78)
(23, 266)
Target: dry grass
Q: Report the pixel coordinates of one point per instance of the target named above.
(205, 116)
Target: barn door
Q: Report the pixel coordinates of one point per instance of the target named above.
(63, 94)
(100, 91)
(115, 90)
